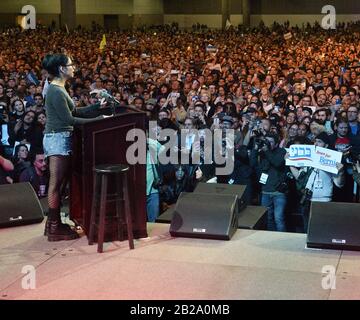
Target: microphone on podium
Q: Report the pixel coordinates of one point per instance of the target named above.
(104, 94)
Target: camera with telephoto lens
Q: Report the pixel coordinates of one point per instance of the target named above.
(306, 197)
(257, 133)
(261, 142)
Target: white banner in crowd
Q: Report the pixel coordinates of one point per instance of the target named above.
(288, 36)
(300, 155)
(311, 156)
(211, 49)
(327, 159)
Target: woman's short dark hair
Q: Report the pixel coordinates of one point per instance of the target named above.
(52, 62)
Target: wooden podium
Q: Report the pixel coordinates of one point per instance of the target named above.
(104, 142)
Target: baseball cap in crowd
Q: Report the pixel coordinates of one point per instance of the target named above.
(151, 101)
(308, 110)
(174, 72)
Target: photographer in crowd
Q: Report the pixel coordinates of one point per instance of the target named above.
(242, 171)
(268, 160)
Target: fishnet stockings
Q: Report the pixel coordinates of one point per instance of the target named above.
(59, 174)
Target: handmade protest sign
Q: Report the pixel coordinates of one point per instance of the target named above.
(301, 155)
(311, 156)
(327, 159)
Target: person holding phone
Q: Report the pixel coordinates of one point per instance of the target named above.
(61, 118)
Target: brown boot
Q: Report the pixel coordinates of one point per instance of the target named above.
(59, 232)
(47, 226)
(53, 214)
(56, 230)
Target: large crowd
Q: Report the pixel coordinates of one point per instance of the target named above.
(274, 91)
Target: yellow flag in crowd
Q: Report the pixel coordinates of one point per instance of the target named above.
(102, 43)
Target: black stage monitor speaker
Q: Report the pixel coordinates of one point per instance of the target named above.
(252, 217)
(19, 205)
(334, 225)
(227, 189)
(198, 215)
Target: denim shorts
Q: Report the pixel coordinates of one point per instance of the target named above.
(57, 143)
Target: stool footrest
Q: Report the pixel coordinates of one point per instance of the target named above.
(101, 198)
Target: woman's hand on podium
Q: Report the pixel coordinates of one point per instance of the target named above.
(103, 103)
(102, 116)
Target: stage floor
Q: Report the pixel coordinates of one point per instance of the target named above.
(253, 265)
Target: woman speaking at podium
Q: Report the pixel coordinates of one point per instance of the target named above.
(61, 118)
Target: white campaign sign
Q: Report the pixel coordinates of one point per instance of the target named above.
(301, 155)
(327, 159)
(316, 157)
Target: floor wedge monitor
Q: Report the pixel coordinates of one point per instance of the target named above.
(334, 225)
(19, 205)
(225, 189)
(208, 216)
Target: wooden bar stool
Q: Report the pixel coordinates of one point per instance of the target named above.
(101, 175)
